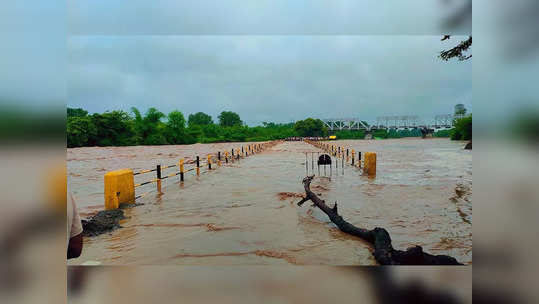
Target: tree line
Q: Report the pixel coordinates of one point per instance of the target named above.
(120, 128)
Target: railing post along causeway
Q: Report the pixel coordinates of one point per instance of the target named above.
(359, 159)
(219, 158)
(198, 165)
(181, 170)
(353, 154)
(226, 157)
(158, 178)
(209, 162)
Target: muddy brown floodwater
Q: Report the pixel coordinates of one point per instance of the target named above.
(245, 213)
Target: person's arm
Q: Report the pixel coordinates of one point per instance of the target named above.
(74, 248)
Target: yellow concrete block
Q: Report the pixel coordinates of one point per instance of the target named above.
(119, 188)
(369, 164)
(56, 179)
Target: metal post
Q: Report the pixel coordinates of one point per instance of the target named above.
(306, 165)
(198, 165)
(158, 178)
(181, 170)
(209, 162)
(219, 158)
(359, 159)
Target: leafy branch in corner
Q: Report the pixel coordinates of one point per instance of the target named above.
(458, 51)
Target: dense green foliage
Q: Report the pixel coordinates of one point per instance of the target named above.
(76, 112)
(229, 119)
(403, 133)
(119, 128)
(443, 133)
(380, 133)
(462, 129)
(392, 133)
(310, 127)
(200, 119)
(350, 134)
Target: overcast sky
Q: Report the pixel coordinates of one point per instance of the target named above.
(120, 17)
(268, 78)
(389, 67)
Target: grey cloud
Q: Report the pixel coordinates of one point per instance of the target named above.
(115, 17)
(268, 78)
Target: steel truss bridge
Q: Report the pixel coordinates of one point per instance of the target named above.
(345, 124)
(398, 122)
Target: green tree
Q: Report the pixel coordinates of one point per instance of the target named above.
(443, 133)
(350, 134)
(175, 128)
(80, 131)
(211, 131)
(462, 129)
(113, 129)
(310, 127)
(229, 119)
(200, 119)
(380, 133)
(149, 129)
(78, 112)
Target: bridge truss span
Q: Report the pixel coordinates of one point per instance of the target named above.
(338, 124)
(396, 122)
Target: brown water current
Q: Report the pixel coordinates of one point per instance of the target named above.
(245, 212)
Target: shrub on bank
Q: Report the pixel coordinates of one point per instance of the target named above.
(462, 129)
(443, 133)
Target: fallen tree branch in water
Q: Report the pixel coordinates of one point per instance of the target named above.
(379, 237)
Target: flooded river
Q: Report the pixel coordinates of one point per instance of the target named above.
(245, 212)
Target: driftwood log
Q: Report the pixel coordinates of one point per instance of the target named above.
(384, 253)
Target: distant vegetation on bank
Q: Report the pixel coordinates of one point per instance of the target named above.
(462, 129)
(120, 128)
